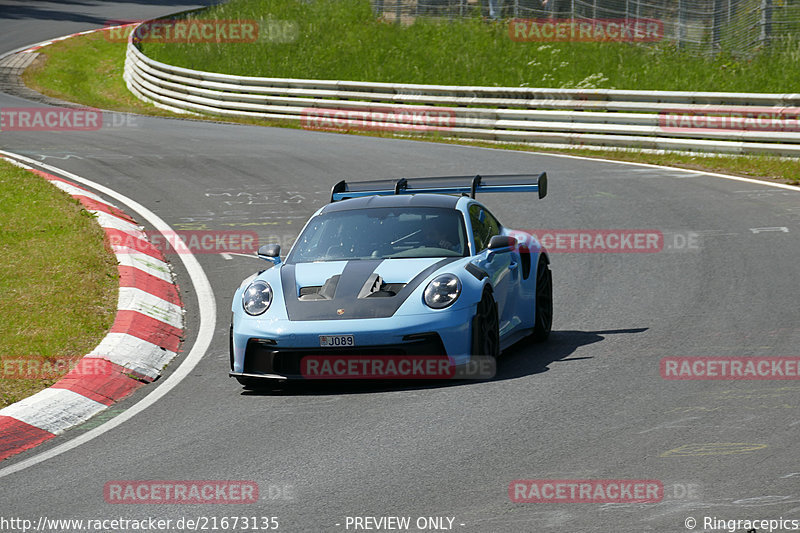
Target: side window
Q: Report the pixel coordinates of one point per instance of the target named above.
(484, 226)
(492, 226)
(476, 218)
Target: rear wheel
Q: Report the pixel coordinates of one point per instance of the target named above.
(544, 301)
(486, 327)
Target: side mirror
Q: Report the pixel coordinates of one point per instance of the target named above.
(498, 242)
(271, 253)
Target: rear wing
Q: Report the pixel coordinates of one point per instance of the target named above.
(464, 185)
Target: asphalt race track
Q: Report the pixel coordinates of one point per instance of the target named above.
(588, 404)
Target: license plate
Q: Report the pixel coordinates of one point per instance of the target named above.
(336, 341)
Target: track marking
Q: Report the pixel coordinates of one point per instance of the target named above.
(229, 255)
(782, 229)
(206, 304)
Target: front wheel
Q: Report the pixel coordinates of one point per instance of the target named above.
(486, 327)
(230, 344)
(543, 320)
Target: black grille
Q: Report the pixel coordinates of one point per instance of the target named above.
(265, 357)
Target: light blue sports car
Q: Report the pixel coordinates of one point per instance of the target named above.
(407, 268)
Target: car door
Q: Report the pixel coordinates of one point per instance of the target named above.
(503, 267)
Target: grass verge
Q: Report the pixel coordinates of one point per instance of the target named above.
(342, 39)
(88, 70)
(58, 282)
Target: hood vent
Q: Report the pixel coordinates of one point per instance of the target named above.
(374, 287)
(320, 292)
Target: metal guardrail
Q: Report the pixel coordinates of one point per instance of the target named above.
(683, 121)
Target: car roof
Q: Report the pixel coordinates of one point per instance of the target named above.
(394, 200)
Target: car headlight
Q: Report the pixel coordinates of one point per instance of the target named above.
(257, 297)
(442, 291)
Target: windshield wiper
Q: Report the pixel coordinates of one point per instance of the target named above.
(405, 237)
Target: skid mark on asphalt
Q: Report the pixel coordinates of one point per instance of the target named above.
(675, 424)
(763, 193)
(713, 448)
(753, 399)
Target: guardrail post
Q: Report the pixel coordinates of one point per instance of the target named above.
(716, 24)
(765, 22)
(682, 8)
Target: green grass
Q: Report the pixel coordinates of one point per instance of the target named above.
(86, 70)
(98, 57)
(58, 280)
(341, 39)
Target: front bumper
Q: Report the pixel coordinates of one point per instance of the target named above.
(264, 359)
(275, 349)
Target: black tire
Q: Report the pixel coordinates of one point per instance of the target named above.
(230, 344)
(543, 317)
(486, 327)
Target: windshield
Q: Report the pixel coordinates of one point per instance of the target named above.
(381, 233)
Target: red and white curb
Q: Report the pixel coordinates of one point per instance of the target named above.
(145, 336)
(42, 44)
